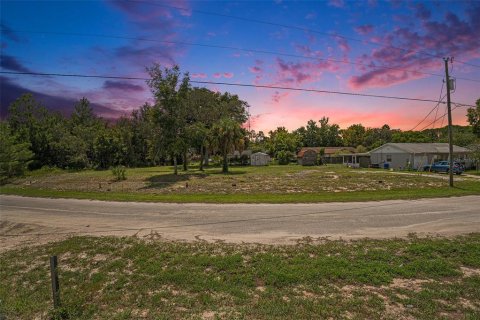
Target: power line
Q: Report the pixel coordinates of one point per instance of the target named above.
(444, 115)
(201, 223)
(293, 27)
(436, 114)
(440, 99)
(215, 46)
(222, 83)
(443, 118)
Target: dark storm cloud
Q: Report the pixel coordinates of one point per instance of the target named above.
(9, 34)
(11, 91)
(122, 85)
(11, 63)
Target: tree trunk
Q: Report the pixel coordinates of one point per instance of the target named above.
(185, 164)
(225, 162)
(175, 167)
(201, 158)
(205, 158)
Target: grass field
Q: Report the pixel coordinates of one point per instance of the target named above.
(278, 184)
(125, 278)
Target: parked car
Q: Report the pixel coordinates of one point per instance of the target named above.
(444, 166)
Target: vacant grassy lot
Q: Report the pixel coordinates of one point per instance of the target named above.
(125, 278)
(243, 184)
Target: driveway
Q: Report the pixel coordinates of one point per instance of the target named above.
(26, 220)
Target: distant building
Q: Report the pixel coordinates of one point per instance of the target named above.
(330, 155)
(259, 159)
(414, 155)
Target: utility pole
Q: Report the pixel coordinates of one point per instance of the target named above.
(449, 108)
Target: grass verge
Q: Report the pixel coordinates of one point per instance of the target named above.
(125, 278)
(463, 188)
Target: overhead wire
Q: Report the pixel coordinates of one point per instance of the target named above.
(223, 83)
(215, 46)
(440, 99)
(445, 114)
(293, 27)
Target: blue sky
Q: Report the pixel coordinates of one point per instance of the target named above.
(370, 33)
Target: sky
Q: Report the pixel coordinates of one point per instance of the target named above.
(389, 48)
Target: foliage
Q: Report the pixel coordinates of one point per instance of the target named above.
(283, 157)
(353, 135)
(185, 122)
(14, 155)
(119, 173)
(228, 136)
(473, 116)
(170, 91)
(283, 141)
(325, 135)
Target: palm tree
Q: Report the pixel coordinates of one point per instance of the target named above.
(227, 135)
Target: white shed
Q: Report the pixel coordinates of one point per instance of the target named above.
(259, 159)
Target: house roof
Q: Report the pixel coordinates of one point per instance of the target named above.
(424, 147)
(328, 150)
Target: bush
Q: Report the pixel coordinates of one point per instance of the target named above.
(14, 156)
(120, 173)
(283, 157)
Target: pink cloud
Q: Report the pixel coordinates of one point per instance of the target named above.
(336, 3)
(277, 96)
(343, 45)
(227, 75)
(255, 69)
(288, 73)
(364, 29)
(307, 51)
(434, 38)
(198, 75)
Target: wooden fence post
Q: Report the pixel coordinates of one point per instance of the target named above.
(55, 283)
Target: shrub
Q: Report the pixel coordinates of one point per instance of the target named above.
(283, 157)
(120, 173)
(14, 156)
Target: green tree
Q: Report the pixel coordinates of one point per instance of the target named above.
(311, 137)
(86, 126)
(227, 136)
(329, 134)
(354, 135)
(473, 116)
(170, 91)
(14, 155)
(283, 141)
(30, 121)
(375, 137)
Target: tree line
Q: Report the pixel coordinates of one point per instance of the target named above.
(184, 123)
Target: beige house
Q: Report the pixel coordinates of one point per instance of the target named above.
(414, 155)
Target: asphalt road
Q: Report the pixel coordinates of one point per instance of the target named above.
(25, 219)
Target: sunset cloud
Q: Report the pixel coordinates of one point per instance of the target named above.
(198, 75)
(434, 37)
(364, 29)
(336, 3)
